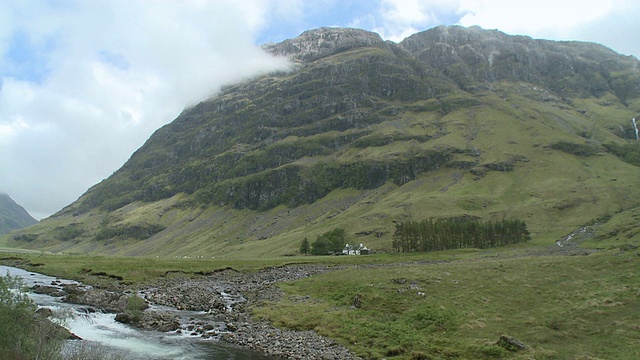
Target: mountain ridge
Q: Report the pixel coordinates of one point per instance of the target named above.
(362, 133)
(12, 215)
(317, 43)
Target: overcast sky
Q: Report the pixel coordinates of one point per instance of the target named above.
(84, 83)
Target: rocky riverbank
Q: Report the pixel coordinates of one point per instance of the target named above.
(212, 306)
(226, 295)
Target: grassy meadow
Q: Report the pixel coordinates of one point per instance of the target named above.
(439, 305)
(576, 307)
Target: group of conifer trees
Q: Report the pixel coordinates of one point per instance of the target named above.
(456, 233)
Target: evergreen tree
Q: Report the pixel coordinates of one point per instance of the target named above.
(457, 233)
(305, 247)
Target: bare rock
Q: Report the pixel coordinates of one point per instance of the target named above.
(318, 43)
(44, 312)
(110, 301)
(511, 343)
(48, 290)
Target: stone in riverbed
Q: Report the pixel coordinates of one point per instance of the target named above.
(45, 312)
(124, 318)
(48, 290)
(159, 321)
(73, 289)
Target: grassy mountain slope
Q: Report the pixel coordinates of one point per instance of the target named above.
(363, 133)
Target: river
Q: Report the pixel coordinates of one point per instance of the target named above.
(135, 344)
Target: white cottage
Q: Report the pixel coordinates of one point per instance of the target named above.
(355, 250)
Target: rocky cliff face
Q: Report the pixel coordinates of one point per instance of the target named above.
(319, 43)
(12, 215)
(473, 57)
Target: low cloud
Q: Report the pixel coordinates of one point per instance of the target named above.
(107, 75)
(398, 19)
(613, 23)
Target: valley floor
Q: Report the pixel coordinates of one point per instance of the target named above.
(559, 302)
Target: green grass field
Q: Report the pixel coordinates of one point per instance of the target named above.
(440, 305)
(578, 307)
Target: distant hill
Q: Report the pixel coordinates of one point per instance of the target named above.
(364, 133)
(12, 215)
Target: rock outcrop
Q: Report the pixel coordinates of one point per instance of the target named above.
(474, 56)
(315, 44)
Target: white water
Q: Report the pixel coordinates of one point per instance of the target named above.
(635, 127)
(101, 328)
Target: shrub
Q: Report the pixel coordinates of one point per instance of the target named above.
(70, 232)
(83, 350)
(135, 306)
(23, 333)
(629, 153)
(330, 242)
(25, 237)
(137, 232)
(574, 149)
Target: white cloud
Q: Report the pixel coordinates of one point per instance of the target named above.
(117, 71)
(531, 16)
(618, 28)
(613, 23)
(9, 129)
(398, 19)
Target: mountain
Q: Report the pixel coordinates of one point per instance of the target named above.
(363, 133)
(12, 215)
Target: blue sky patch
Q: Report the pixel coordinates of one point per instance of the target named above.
(334, 13)
(25, 59)
(114, 59)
